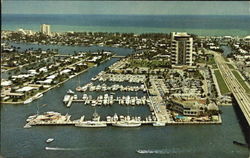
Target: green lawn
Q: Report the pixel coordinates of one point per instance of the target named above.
(211, 61)
(242, 82)
(222, 85)
(214, 66)
(230, 66)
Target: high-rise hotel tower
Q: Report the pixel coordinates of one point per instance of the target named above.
(45, 29)
(181, 49)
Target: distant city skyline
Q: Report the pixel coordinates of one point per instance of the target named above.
(127, 7)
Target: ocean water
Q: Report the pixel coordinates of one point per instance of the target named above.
(206, 141)
(176, 141)
(197, 24)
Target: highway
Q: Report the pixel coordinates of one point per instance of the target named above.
(234, 86)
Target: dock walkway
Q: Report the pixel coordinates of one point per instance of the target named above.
(143, 122)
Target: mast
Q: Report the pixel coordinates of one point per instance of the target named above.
(37, 108)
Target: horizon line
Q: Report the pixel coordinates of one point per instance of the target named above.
(130, 14)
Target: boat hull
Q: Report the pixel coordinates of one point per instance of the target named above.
(91, 125)
(28, 101)
(118, 124)
(159, 124)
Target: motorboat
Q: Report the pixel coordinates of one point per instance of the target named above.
(31, 118)
(126, 124)
(49, 140)
(75, 97)
(70, 91)
(66, 98)
(159, 124)
(91, 124)
(38, 95)
(27, 126)
(79, 89)
(28, 101)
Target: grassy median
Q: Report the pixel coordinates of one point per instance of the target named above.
(242, 82)
(222, 85)
(230, 66)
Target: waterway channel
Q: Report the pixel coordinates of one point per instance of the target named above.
(177, 141)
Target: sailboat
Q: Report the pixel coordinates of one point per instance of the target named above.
(79, 88)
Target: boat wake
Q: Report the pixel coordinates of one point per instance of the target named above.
(160, 151)
(62, 149)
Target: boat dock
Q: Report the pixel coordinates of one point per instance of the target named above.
(115, 87)
(56, 119)
(160, 115)
(102, 76)
(110, 123)
(108, 100)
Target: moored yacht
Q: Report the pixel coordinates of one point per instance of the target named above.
(126, 124)
(159, 124)
(70, 91)
(91, 124)
(66, 98)
(28, 101)
(37, 96)
(79, 88)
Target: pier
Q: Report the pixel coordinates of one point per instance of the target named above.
(109, 123)
(108, 100)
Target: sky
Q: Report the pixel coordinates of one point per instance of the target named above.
(127, 7)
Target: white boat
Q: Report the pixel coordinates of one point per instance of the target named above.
(85, 96)
(38, 95)
(28, 101)
(70, 91)
(49, 140)
(75, 97)
(31, 118)
(85, 88)
(159, 124)
(27, 126)
(79, 89)
(66, 98)
(91, 124)
(96, 117)
(146, 151)
(126, 124)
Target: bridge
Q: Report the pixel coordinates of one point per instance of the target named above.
(234, 86)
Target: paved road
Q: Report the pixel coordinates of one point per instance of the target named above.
(158, 103)
(234, 85)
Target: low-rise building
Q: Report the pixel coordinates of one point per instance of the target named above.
(189, 108)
